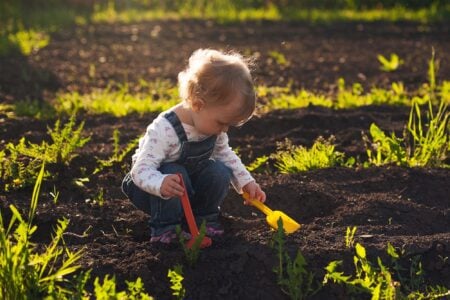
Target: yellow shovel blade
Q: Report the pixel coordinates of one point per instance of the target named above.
(272, 216)
(289, 225)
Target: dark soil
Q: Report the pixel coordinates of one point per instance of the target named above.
(407, 207)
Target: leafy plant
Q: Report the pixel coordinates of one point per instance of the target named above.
(192, 254)
(258, 163)
(293, 159)
(350, 237)
(65, 140)
(19, 164)
(376, 281)
(379, 282)
(279, 58)
(391, 64)
(425, 141)
(28, 41)
(119, 101)
(176, 280)
(34, 108)
(23, 271)
(118, 155)
(15, 172)
(292, 276)
(107, 290)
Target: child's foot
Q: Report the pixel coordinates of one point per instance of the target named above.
(214, 230)
(168, 237)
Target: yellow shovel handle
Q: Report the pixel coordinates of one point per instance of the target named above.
(258, 204)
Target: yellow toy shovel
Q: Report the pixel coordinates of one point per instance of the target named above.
(272, 216)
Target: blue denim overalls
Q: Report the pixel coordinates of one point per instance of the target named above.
(207, 182)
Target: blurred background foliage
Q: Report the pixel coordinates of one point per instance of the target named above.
(25, 25)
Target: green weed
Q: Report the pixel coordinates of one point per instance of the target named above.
(378, 281)
(192, 254)
(322, 154)
(391, 64)
(117, 100)
(350, 237)
(107, 290)
(118, 155)
(425, 141)
(176, 280)
(65, 140)
(19, 163)
(34, 108)
(258, 164)
(26, 274)
(292, 276)
(279, 58)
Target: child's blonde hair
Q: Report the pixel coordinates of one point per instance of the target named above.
(216, 78)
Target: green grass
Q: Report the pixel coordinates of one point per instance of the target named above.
(223, 11)
(27, 27)
(277, 97)
(119, 101)
(322, 154)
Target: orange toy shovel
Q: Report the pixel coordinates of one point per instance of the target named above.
(206, 242)
(272, 216)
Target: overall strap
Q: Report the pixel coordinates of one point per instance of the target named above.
(172, 117)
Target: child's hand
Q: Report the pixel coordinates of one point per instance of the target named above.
(255, 192)
(171, 186)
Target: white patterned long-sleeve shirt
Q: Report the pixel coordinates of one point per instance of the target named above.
(160, 144)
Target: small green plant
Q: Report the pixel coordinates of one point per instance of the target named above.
(107, 290)
(425, 141)
(376, 281)
(118, 155)
(176, 280)
(99, 198)
(34, 108)
(24, 272)
(391, 64)
(379, 282)
(118, 100)
(55, 195)
(15, 172)
(322, 154)
(350, 237)
(65, 140)
(258, 164)
(19, 163)
(192, 254)
(279, 58)
(28, 41)
(292, 276)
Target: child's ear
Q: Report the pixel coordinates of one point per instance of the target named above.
(197, 104)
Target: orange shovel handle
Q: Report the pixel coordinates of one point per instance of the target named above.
(188, 210)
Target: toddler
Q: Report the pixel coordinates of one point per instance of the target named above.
(190, 138)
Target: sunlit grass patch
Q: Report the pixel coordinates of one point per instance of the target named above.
(229, 11)
(24, 41)
(277, 97)
(119, 101)
(322, 154)
(425, 141)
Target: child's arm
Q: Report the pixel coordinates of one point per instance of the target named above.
(152, 151)
(242, 180)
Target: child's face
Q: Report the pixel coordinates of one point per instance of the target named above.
(213, 120)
